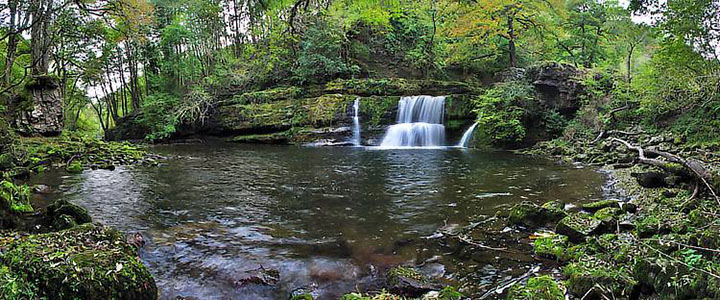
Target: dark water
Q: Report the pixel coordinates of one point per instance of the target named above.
(326, 218)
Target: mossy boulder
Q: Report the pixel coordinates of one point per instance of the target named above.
(409, 282)
(538, 288)
(598, 205)
(588, 272)
(551, 246)
(608, 216)
(529, 214)
(578, 226)
(85, 262)
(63, 214)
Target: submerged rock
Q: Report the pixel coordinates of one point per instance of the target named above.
(86, 262)
(260, 276)
(577, 226)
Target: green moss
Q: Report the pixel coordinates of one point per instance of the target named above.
(551, 245)
(577, 226)
(377, 109)
(271, 138)
(590, 271)
(607, 214)
(538, 288)
(529, 214)
(383, 295)
(268, 96)
(302, 297)
(85, 262)
(74, 168)
(594, 206)
(395, 274)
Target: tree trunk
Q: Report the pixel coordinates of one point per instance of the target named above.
(511, 41)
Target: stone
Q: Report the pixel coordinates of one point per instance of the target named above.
(409, 282)
(597, 205)
(529, 214)
(557, 87)
(60, 211)
(540, 287)
(260, 276)
(85, 262)
(578, 226)
(42, 113)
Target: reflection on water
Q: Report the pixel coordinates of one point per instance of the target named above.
(326, 218)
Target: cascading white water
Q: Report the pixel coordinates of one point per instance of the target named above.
(356, 121)
(420, 121)
(467, 136)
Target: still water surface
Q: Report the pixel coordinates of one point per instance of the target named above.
(328, 219)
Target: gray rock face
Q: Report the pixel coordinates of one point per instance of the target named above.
(558, 86)
(44, 114)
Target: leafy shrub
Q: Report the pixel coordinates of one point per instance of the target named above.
(500, 113)
(16, 198)
(320, 56)
(158, 115)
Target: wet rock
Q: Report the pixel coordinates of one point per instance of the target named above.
(597, 205)
(260, 276)
(85, 262)
(578, 226)
(42, 189)
(529, 214)
(541, 287)
(304, 293)
(629, 207)
(408, 282)
(136, 240)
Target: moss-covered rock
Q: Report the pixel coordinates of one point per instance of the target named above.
(551, 245)
(529, 214)
(408, 282)
(271, 138)
(681, 275)
(577, 226)
(608, 216)
(267, 96)
(62, 215)
(538, 288)
(588, 272)
(86, 262)
(597, 205)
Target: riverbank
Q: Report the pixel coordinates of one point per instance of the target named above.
(52, 250)
(661, 241)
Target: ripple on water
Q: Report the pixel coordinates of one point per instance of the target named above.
(329, 219)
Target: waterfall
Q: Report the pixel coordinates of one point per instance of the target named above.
(356, 123)
(419, 123)
(467, 136)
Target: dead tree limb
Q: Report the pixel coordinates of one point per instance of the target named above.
(671, 163)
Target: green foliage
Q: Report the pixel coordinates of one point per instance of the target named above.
(500, 113)
(320, 57)
(538, 288)
(158, 115)
(15, 198)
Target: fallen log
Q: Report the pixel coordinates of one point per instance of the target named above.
(674, 164)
